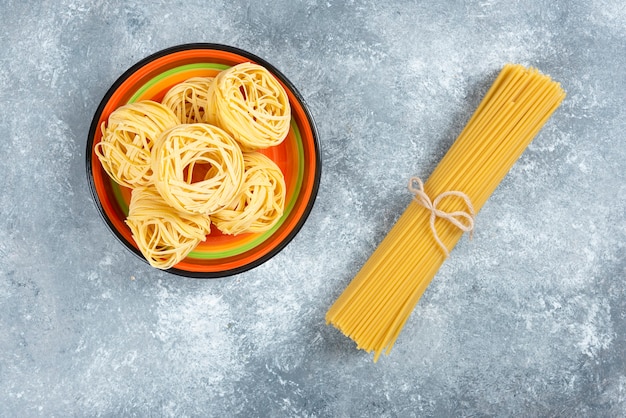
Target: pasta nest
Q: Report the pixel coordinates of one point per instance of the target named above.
(251, 105)
(261, 202)
(163, 235)
(189, 99)
(127, 141)
(198, 168)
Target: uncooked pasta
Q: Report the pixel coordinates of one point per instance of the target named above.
(261, 202)
(128, 138)
(163, 235)
(198, 168)
(375, 306)
(250, 104)
(189, 99)
(185, 168)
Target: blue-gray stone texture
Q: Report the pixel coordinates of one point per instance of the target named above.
(527, 319)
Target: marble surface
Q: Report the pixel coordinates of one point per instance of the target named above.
(527, 319)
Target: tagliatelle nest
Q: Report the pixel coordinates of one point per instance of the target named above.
(198, 168)
(163, 235)
(261, 202)
(250, 104)
(189, 99)
(128, 138)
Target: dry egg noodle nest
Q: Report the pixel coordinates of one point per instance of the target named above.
(163, 235)
(128, 138)
(189, 99)
(251, 105)
(184, 152)
(261, 202)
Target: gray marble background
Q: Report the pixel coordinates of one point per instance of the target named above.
(528, 319)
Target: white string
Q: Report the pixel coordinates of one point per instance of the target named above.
(455, 218)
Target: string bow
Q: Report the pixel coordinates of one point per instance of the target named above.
(464, 220)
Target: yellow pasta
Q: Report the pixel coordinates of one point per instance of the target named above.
(198, 168)
(127, 141)
(251, 105)
(376, 304)
(189, 99)
(186, 173)
(261, 202)
(163, 235)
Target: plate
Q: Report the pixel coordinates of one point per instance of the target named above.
(298, 156)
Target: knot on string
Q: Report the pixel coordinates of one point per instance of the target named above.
(464, 220)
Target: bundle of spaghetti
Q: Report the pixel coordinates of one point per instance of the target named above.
(249, 103)
(188, 100)
(376, 304)
(261, 201)
(128, 138)
(163, 235)
(198, 168)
